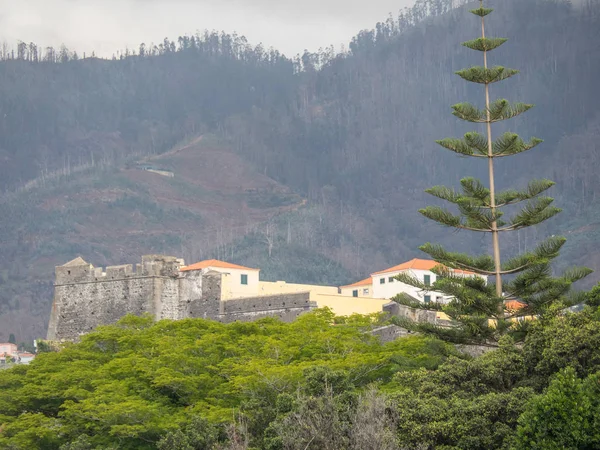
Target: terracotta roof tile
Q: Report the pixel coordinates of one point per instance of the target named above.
(214, 263)
(365, 282)
(418, 264)
(514, 305)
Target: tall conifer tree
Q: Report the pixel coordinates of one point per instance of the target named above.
(479, 310)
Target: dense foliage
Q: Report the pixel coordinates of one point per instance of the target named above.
(132, 383)
(197, 384)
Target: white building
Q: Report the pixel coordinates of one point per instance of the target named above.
(383, 285)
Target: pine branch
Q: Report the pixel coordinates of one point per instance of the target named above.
(473, 188)
(534, 188)
(469, 112)
(500, 109)
(481, 12)
(534, 212)
(442, 216)
(483, 265)
(575, 274)
(484, 44)
(467, 299)
(525, 284)
(482, 75)
(444, 193)
(473, 144)
(406, 300)
(543, 254)
(411, 280)
(479, 217)
(511, 144)
(538, 289)
(476, 195)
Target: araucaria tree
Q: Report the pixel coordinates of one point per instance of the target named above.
(478, 309)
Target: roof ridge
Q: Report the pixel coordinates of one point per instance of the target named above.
(214, 263)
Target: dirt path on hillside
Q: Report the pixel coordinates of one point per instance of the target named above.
(175, 150)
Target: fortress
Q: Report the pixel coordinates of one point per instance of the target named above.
(86, 297)
(164, 287)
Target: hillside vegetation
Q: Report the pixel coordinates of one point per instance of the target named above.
(312, 168)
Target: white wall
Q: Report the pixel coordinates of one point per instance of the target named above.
(392, 288)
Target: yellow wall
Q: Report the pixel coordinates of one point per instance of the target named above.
(324, 296)
(348, 290)
(343, 305)
(281, 287)
(231, 286)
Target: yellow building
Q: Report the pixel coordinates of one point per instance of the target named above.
(363, 288)
(242, 282)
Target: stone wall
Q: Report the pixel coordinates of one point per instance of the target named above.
(416, 315)
(79, 308)
(206, 302)
(286, 307)
(389, 333)
(86, 297)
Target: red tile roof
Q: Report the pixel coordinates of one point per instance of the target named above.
(514, 305)
(214, 263)
(418, 264)
(365, 282)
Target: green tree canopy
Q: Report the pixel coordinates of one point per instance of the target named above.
(136, 383)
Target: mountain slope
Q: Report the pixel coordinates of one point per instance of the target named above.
(313, 169)
(187, 202)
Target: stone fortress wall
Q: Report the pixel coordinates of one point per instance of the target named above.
(86, 297)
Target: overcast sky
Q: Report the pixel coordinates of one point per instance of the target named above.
(109, 25)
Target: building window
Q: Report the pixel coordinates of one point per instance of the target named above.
(244, 279)
(355, 293)
(391, 279)
(382, 281)
(365, 292)
(428, 299)
(427, 280)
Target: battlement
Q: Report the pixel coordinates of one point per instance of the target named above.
(86, 296)
(80, 271)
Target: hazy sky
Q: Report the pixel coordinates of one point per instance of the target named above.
(109, 25)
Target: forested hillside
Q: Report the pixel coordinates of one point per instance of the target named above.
(312, 168)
